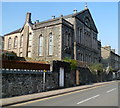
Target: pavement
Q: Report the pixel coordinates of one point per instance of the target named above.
(31, 97)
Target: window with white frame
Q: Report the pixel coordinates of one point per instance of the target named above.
(15, 42)
(9, 43)
(40, 45)
(51, 44)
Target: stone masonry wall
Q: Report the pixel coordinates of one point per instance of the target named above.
(16, 84)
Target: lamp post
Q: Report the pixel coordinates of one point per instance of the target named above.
(44, 80)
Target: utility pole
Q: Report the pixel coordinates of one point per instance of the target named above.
(44, 80)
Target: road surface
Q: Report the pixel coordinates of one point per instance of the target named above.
(105, 95)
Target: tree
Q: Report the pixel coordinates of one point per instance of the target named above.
(73, 63)
(97, 69)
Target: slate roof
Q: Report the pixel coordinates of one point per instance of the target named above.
(16, 31)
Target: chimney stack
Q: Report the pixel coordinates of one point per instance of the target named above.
(75, 11)
(53, 17)
(28, 17)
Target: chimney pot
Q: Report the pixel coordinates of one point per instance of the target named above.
(53, 17)
(75, 11)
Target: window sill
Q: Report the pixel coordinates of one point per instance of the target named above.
(40, 56)
(50, 55)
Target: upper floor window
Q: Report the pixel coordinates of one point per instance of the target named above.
(69, 39)
(40, 45)
(50, 44)
(30, 39)
(15, 41)
(79, 35)
(66, 35)
(21, 41)
(9, 43)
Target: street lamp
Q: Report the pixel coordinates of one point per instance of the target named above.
(44, 80)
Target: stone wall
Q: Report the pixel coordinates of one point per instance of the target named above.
(22, 82)
(15, 84)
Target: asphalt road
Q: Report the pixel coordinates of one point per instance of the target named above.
(106, 95)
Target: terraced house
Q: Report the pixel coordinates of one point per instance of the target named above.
(73, 36)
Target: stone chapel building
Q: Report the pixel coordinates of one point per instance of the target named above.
(73, 36)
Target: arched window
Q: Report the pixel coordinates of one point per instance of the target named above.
(21, 41)
(66, 35)
(9, 43)
(15, 42)
(30, 39)
(40, 45)
(50, 44)
(79, 35)
(69, 40)
(20, 54)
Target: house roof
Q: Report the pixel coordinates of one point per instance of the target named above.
(16, 31)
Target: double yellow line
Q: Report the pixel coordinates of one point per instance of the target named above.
(59, 95)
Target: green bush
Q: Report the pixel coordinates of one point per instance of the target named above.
(73, 63)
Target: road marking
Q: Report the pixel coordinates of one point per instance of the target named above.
(111, 90)
(98, 86)
(88, 99)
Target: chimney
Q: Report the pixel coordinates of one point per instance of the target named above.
(61, 16)
(37, 21)
(53, 17)
(107, 47)
(28, 17)
(75, 11)
(86, 7)
(113, 50)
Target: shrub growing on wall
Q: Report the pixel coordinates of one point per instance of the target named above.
(73, 63)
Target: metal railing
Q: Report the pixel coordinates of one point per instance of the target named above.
(25, 71)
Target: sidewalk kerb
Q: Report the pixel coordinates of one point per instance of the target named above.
(31, 97)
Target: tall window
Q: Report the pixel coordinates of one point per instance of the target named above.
(15, 42)
(50, 45)
(66, 34)
(40, 45)
(9, 43)
(21, 41)
(20, 54)
(79, 35)
(30, 39)
(69, 40)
